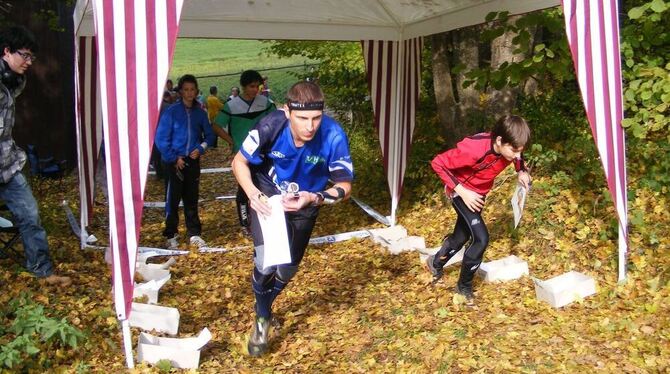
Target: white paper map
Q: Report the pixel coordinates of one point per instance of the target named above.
(518, 201)
(275, 238)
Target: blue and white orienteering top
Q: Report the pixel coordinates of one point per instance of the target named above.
(270, 150)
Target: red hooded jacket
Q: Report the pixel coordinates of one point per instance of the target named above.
(473, 163)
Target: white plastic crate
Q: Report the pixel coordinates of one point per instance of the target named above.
(182, 353)
(504, 269)
(152, 271)
(565, 288)
(150, 289)
(154, 317)
(409, 243)
(388, 234)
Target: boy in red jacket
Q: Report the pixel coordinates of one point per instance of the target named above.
(468, 172)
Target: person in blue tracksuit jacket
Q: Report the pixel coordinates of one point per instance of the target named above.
(183, 135)
(294, 153)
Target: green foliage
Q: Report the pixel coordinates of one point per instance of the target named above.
(368, 161)
(419, 175)
(562, 139)
(340, 73)
(646, 52)
(32, 331)
(548, 62)
(164, 366)
(649, 165)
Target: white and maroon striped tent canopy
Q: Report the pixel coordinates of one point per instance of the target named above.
(131, 43)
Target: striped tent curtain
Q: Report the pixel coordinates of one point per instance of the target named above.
(88, 123)
(394, 79)
(592, 28)
(135, 42)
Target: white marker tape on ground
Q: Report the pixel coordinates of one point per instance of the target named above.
(221, 250)
(371, 212)
(226, 197)
(339, 237)
(161, 204)
(70, 218)
(146, 251)
(204, 171)
(96, 247)
(161, 251)
(78, 232)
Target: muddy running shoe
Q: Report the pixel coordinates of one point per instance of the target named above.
(198, 241)
(58, 281)
(173, 242)
(436, 272)
(258, 341)
(467, 293)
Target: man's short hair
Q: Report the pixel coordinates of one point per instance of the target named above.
(250, 76)
(513, 130)
(304, 92)
(187, 78)
(213, 90)
(18, 37)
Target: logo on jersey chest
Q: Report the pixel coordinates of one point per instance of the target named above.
(277, 154)
(314, 160)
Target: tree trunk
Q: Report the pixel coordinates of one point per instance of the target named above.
(459, 109)
(466, 46)
(445, 100)
(503, 101)
(531, 86)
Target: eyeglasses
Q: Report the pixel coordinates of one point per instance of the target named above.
(27, 56)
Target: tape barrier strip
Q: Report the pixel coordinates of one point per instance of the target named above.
(225, 197)
(221, 250)
(320, 240)
(146, 250)
(339, 237)
(371, 212)
(96, 247)
(73, 221)
(161, 204)
(161, 251)
(205, 171)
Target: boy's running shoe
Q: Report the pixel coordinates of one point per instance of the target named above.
(258, 340)
(436, 272)
(467, 293)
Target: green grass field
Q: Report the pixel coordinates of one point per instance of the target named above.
(219, 62)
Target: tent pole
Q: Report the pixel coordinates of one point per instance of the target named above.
(622, 254)
(397, 128)
(127, 343)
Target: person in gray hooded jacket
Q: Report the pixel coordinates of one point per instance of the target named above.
(18, 48)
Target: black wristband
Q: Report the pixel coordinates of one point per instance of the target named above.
(319, 199)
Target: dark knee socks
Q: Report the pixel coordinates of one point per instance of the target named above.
(263, 286)
(266, 289)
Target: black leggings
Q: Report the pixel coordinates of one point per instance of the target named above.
(469, 227)
(268, 283)
(299, 227)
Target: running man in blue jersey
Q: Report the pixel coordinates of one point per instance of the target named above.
(303, 149)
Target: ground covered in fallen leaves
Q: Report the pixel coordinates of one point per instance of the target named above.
(355, 308)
